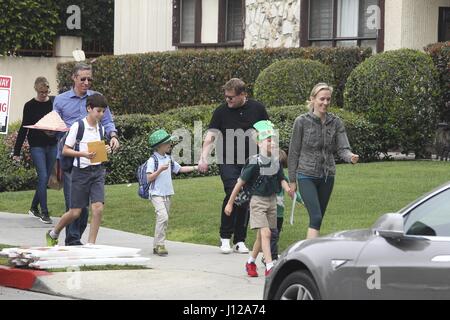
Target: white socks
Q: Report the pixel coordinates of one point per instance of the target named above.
(269, 265)
(251, 260)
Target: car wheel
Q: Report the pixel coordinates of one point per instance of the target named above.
(298, 285)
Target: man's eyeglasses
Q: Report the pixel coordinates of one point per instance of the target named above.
(230, 97)
(44, 92)
(86, 78)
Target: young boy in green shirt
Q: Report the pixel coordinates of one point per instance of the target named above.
(263, 203)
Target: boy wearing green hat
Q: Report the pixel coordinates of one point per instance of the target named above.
(160, 167)
(264, 172)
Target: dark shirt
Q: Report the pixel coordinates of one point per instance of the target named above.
(33, 111)
(269, 182)
(243, 118)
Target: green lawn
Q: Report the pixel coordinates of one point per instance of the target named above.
(361, 194)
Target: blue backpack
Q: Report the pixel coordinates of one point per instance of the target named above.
(141, 174)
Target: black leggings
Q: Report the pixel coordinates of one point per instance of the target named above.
(315, 193)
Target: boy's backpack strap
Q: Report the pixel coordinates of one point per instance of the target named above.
(155, 159)
(172, 165)
(102, 131)
(79, 137)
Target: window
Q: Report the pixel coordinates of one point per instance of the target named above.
(234, 20)
(431, 218)
(342, 23)
(444, 24)
(187, 23)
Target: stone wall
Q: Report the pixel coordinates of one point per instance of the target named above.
(272, 23)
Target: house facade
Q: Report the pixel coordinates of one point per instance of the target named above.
(164, 25)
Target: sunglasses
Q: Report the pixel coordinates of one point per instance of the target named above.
(230, 97)
(44, 92)
(86, 78)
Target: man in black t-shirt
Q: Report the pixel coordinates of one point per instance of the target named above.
(231, 130)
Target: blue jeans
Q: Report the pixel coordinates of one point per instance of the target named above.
(43, 159)
(75, 230)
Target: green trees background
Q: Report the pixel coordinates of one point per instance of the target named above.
(33, 24)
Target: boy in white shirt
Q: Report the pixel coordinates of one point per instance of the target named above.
(161, 189)
(88, 179)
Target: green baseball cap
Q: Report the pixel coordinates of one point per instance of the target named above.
(159, 137)
(265, 129)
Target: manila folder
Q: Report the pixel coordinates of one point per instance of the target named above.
(99, 148)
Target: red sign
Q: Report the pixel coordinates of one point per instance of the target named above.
(5, 82)
(5, 102)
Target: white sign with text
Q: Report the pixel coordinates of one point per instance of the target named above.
(5, 102)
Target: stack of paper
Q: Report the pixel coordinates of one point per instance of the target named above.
(61, 257)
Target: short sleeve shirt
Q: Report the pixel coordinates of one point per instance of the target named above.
(242, 118)
(162, 185)
(90, 134)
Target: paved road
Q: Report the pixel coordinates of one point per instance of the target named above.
(14, 294)
(190, 271)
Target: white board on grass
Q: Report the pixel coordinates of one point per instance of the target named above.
(63, 263)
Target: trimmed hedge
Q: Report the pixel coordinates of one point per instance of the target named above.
(289, 82)
(440, 53)
(399, 93)
(152, 83)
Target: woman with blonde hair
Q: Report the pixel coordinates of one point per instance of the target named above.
(316, 136)
(42, 146)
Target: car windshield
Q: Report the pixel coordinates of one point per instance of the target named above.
(426, 195)
(430, 218)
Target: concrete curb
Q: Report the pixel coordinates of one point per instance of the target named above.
(20, 278)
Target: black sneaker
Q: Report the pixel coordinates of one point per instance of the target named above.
(34, 212)
(45, 218)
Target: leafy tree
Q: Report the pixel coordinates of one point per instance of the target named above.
(27, 24)
(97, 21)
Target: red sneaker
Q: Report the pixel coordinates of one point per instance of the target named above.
(251, 269)
(268, 272)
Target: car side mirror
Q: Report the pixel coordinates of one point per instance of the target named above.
(390, 225)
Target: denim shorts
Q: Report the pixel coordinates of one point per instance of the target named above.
(88, 186)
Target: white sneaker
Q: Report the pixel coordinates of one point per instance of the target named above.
(240, 248)
(225, 247)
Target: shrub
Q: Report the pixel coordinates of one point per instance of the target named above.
(398, 92)
(27, 24)
(440, 53)
(14, 176)
(289, 82)
(152, 83)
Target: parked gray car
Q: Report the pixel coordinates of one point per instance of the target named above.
(405, 255)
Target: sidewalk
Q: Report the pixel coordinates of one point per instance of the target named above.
(189, 272)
